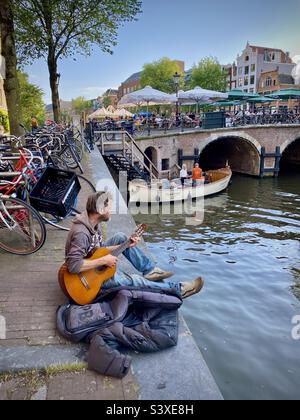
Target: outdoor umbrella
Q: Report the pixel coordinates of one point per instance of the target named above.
(286, 94)
(261, 100)
(111, 109)
(225, 104)
(238, 94)
(200, 96)
(147, 96)
(123, 113)
(99, 114)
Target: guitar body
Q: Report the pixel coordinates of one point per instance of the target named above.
(83, 288)
(85, 292)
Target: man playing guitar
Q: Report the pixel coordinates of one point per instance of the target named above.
(86, 236)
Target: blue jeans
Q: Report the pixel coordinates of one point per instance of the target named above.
(141, 263)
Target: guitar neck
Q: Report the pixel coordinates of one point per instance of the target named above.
(118, 251)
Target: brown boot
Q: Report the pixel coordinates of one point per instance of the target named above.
(192, 288)
(157, 275)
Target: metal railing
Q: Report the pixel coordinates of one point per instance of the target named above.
(129, 148)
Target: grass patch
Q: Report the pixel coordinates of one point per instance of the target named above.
(71, 368)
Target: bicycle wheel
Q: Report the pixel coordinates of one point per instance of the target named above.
(87, 188)
(22, 230)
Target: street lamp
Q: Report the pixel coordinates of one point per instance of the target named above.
(176, 79)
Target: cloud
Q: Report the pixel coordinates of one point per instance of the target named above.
(296, 71)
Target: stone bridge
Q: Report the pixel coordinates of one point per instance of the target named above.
(253, 150)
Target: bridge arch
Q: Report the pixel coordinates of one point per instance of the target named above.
(240, 150)
(290, 159)
(289, 141)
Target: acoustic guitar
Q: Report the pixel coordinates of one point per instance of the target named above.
(83, 288)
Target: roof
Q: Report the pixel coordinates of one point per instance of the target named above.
(134, 78)
(111, 92)
(266, 48)
(262, 50)
(286, 79)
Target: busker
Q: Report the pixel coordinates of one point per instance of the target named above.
(86, 236)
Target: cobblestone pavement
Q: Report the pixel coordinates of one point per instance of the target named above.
(84, 385)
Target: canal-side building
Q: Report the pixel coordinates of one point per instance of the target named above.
(256, 60)
(231, 71)
(272, 81)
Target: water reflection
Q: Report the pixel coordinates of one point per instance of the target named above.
(248, 251)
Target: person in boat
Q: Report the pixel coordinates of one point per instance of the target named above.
(86, 236)
(197, 176)
(183, 174)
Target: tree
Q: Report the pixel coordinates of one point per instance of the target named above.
(8, 52)
(209, 74)
(57, 29)
(81, 104)
(31, 99)
(159, 75)
(107, 101)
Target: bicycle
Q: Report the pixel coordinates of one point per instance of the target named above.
(22, 230)
(30, 169)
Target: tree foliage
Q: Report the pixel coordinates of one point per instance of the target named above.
(57, 29)
(209, 74)
(4, 120)
(32, 103)
(69, 27)
(159, 75)
(107, 101)
(81, 104)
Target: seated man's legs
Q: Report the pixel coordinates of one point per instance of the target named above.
(135, 256)
(183, 290)
(125, 280)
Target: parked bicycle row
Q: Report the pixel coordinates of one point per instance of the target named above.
(39, 186)
(261, 118)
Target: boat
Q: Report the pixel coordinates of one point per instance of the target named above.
(165, 191)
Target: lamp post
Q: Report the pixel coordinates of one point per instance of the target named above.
(176, 79)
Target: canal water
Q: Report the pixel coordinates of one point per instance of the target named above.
(248, 251)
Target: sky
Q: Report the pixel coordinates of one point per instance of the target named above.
(186, 30)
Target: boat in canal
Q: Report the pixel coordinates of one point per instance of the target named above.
(165, 191)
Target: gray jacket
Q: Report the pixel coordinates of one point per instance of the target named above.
(140, 321)
(82, 240)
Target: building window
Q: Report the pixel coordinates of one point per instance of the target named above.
(246, 90)
(240, 71)
(165, 164)
(269, 81)
(252, 80)
(247, 58)
(241, 82)
(246, 81)
(274, 83)
(253, 68)
(251, 90)
(247, 70)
